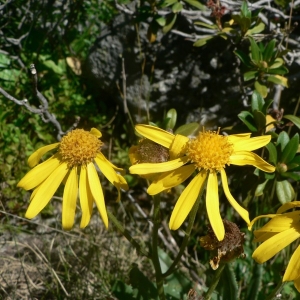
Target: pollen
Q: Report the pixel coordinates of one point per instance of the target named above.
(210, 151)
(79, 147)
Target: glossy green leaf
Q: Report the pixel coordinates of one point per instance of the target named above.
(245, 10)
(255, 51)
(247, 118)
(245, 59)
(290, 149)
(283, 140)
(177, 7)
(167, 3)
(266, 106)
(262, 89)
(277, 63)
(260, 188)
(272, 153)
(278, 71)
(171, 18)
(269, 51)
(278, 80)
(284, 191)
(257, 101)
(187, 129)
(196, 4)
(291, 175)
(203, 41)
(260, 119)
(294, 119)
(256, 29)
(172, 116)
(9, 75)
(250, 75)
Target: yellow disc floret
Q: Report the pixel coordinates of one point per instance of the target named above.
(79, 147)
(210, 151)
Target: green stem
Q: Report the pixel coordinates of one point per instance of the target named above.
(276, 291)
(214, 282)
(155, 257)
(127, 235)
(192, 217)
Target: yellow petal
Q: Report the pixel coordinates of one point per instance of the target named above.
(46, 191)
(150, 168)
(242, 158)
(275, 244)
(38, 174)
(240, 210)
(178, 146)
(270, 122)
(155, 134)
(297, 284)
(96, 132)
(97, 192)
(170, 179)
(260, 217)
(186, 201)
(86, 198)
(251, 144)
(237, 137)
(35, 157)
(293, 269)
(212, 206)
(263, 236)
(132, 153)
(69, 199)
(287, 206)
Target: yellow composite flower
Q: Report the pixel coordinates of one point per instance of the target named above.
(279, 232)
(74, 164)
(209, 153)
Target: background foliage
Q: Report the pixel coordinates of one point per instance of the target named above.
(57, 36)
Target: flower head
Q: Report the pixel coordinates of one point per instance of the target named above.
(74, 165)
(279, 232)
(209, 154)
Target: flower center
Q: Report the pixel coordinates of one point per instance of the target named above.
(79, 147)
(210, 151)
(150, 152)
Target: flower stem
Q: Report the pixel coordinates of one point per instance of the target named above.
(276, 291)
(192, 217)
(127, 235)
(155, 257)
(214, 282)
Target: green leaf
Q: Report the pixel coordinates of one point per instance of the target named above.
(9, 74)
(171, 18)
(255, 282)
(292, 175)
(260, 119)
(4, 60)
(54, 67)
(269, 51)
(247, 118)
(260, 189)
(228, 286)
(161, 21)
(187, 129)
(196, 3)
(283, 140)
(257, 101)
(272, 153)
(172, 116)
(278, 80)
(245, 11)
(278, 71)
(267, 105)
(202, 42)
(290, 149)
(277, 63)
(255, 51)
(210, 26)
(177, 7)
(245, 59)
(257, 29)
(262, 89)
(167, 3)
(293, 119)
(284, 191)
(250, 75)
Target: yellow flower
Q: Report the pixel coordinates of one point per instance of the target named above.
(208, 153)
(74, 165)
(279, 232)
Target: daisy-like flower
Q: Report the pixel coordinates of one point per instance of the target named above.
(279, 232)
(74, 165)
(209, 153)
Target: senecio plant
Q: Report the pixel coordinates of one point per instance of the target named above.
(202, 167)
